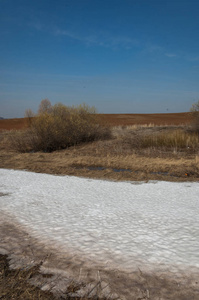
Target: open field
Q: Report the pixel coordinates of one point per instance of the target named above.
(116, 120)
(16, 124)
(141, 119)
(142, 148)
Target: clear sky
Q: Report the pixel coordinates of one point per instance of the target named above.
(121, 56)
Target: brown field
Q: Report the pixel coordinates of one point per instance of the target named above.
(9, 124)
(141, 119)
(116, 120)
(122, 157)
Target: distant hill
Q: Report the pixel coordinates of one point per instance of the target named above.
(1, 118)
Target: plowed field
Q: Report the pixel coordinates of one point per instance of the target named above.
(156, 119)
(116, 119)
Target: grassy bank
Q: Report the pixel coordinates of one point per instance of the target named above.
(133, 153)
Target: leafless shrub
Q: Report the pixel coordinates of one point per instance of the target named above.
(58, 127)
(195, 117)
(45, 106)
(195, 122)
(29, 115)
(195, 107)
(23, 141)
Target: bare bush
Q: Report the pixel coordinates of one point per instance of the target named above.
(45, 106)
(195, 117)
(195, 107)
(23, 141)
(29, 115)
(195, 122)
(58, 127)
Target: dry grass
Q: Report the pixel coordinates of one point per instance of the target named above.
(16, 284)
(122, 158)
(164, 138)
(157, 140)
(175, 140)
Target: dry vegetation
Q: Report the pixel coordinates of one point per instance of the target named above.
(131, 153)
(58, 127)
(78, 145)
(15, 284)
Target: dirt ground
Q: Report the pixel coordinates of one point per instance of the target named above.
(114, 159)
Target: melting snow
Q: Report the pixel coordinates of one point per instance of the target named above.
(124, 224)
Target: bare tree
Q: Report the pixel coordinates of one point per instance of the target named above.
(195, 107)
(45, 106)
(195, 115)
(29, 115)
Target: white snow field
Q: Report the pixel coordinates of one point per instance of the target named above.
(119, 225)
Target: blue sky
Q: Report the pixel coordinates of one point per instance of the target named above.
(121, 56)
